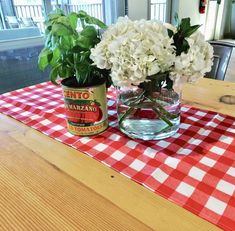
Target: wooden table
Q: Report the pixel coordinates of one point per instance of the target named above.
(46, 185)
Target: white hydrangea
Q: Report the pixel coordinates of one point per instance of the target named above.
(193, 65)
(134, 50)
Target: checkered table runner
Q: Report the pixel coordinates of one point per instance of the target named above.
(195, 168)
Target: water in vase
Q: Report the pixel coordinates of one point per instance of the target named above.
(149, 119)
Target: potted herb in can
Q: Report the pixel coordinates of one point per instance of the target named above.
(67, 51)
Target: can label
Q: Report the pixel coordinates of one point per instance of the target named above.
(86, 110)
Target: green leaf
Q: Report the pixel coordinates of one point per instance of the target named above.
(78, 49)
(191, 30)
(170, 33)
(184, 30)
(84, 42)
(53, 16)
(185, 24)
(65, 71)
(85, 55)
(64, 20)
(87, 38)
(185, 46)
(44, 58)
(56, 56)
(48, 28)
(89, 31)
(48, 41)
(64, 42)
(54, 41)
(83, 72)
(68, 52)
(95, 21)
(61, 29)
(54, 74)
(91, 20)
(82, 14)
(73, 19)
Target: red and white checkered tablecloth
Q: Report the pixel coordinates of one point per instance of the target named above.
(195, 168)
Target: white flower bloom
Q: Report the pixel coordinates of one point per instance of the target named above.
(133, 50)
(170, 27)
(193, 65)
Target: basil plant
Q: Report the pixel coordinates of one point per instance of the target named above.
(67, 50)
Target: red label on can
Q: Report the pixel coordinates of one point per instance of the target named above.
(86, 110)
(83, 114)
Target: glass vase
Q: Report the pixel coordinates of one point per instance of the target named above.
(148, 115)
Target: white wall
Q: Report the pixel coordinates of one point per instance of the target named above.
(212, 16)
(223, 26)
(185, 8)
(214, 22)
(189, 8)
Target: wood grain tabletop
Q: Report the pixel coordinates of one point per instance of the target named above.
(46, 185)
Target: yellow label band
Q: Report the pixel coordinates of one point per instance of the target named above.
(77, 94)
(89, 130)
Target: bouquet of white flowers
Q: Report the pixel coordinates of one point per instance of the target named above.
(152, 59)
(135, 50)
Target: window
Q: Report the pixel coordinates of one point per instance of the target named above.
(29, 13)
(92, 7)
(160, 10)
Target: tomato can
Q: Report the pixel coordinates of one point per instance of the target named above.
(86, 109)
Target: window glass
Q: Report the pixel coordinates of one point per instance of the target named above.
(29, 13)
(92, 7)
(158, 10)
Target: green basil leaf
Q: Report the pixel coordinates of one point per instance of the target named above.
(73, 19)
(89, 31)
(54, 74)
(56, 56)
(54, 15)
(48, 27)
(51, 18)
(65, 71)
(48, 41)
(68, 52)
(95, 21)
(82, 14)
(84, 42)
(44, 58)
(64, 20)
(83, 72)
(78, 49)
(66, 42)
(61, 29)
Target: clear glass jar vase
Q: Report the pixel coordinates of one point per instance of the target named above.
(148, 115)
